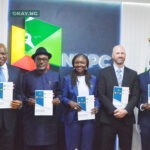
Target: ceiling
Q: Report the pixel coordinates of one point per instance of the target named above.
(130, 1)
(137, 1)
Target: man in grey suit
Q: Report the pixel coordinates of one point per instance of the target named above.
(9, 116)
(117, 120)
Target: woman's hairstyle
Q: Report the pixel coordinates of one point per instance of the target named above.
(86, 73)
(80, 55)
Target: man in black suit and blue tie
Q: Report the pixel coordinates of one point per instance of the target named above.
(8, 116)
(144, 109)
(117, 120)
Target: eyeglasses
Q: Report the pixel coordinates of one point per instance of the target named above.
(42, 59)
(3, 54)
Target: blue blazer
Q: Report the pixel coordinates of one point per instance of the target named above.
(144, 116)
(70, 92)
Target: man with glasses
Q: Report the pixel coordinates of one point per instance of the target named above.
(40, 132)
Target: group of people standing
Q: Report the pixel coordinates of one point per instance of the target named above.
(41, 132)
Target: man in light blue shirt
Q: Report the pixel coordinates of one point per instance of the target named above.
(9, 116)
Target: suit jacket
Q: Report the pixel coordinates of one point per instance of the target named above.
(8, 117)
(144, 116)
(39, 130)
(107, 81)
(70, 92)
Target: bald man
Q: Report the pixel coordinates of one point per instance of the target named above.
(9, 116)
(117, 120)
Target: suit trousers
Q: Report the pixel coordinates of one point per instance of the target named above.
(145, 137)
(108, 136)
(7, 139)
(45, 147)
(80, 135)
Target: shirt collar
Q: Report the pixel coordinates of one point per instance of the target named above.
(4, 67)
(116, 68)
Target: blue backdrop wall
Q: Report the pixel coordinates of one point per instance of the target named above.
(91, 27)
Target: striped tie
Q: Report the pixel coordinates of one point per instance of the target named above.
(119, 76)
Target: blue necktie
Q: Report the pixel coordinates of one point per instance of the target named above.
(119, 76)
(2, 76)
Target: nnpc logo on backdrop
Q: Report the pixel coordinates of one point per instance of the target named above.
(37, 33)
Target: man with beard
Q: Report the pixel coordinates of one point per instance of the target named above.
(117, 120)
(9, 116)
(40, 132)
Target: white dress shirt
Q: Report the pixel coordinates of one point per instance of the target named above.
(83, 89)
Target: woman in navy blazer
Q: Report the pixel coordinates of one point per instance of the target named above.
(144, 110)
(79, 134)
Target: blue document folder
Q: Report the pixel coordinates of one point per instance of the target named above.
(120, 96)
(39, 97)
(82, 102)
(43, 105)
(1, 90)
(87, 104)
(117, 95)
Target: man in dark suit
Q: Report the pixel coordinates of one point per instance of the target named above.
(8, 117)
(40, 132)
(117, 120)
(144, 110)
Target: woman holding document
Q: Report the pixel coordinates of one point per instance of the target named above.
(79, 97)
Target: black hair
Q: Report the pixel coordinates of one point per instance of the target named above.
(78, 55)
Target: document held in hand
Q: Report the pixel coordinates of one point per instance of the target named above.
(87, 104)
(6, 94)
(149, 93)
(120, 96)
(43, 103)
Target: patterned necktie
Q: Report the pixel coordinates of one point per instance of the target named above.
(119, 76)
(2, 76)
